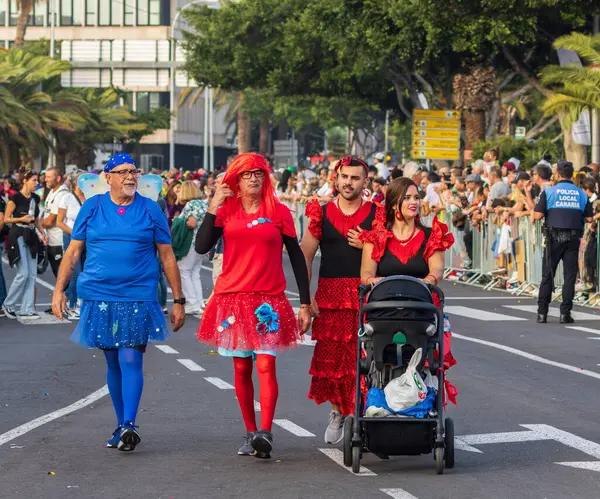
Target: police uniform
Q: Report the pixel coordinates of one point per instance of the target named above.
(565, 208)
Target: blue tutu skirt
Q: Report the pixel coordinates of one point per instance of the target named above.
(119, 324)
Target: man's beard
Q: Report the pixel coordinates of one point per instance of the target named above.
(355, 194)
(129, 190)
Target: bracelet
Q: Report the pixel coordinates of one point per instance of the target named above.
(433, 277)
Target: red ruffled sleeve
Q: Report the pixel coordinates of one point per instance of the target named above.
(314, 211)
(378, 237)
(439, 240)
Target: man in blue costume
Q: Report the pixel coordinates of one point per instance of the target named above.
(123, 233)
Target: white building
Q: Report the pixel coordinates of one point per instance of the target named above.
(126, 44)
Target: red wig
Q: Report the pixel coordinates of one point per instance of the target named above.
(244, 163)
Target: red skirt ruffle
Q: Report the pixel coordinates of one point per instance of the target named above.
(338, 292)
(229, 322)
(333, 366)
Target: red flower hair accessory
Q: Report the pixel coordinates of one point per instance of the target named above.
(350, 161)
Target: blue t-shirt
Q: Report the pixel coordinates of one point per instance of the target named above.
(121, 257)
(565, 206)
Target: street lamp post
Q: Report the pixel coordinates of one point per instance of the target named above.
(173, 73)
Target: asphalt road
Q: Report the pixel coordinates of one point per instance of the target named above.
(527, 417)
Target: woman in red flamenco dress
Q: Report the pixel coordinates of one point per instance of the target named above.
(248, 316)
(399, 244)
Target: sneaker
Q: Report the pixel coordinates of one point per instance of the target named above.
(11, 314)
(113, 442)
(262, 443)
(128, 438)
(335, 429)
(247, 449)
(191, 309)
(73, 314)
(49, 311)
(165, 311)
(29, 316)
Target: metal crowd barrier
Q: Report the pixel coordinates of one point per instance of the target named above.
(483, 269)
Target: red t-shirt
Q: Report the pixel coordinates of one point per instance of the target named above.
(253, 249)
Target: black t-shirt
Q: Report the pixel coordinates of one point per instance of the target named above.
(23, 205)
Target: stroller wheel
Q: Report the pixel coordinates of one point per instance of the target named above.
(449, 443)
(439, 460)
(348, 423)
(355, 459)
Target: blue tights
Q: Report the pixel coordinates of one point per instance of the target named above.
(125, 381)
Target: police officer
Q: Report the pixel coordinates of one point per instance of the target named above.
(566, 208)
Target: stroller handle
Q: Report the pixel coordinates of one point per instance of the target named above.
(410, 305)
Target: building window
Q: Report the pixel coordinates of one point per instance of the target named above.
(90, 12)
(149, 101)
(151, 161)
(39, 12)
(66, 12)
(128, 100)
(129, 12)
(116, 12)
(142, 13)
(14, 13)
(104, 12)
(3, 12)
(154, 12)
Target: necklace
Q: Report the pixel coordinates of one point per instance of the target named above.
(404, 241)
(337, 203)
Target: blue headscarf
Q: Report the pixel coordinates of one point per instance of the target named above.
(118, 159)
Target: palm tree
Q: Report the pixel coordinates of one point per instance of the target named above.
(105, 121)
(577, 88)
(25, 8)
(474, 93)
(29, 114)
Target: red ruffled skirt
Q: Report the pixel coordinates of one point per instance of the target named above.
(333, 366)
(229, 321)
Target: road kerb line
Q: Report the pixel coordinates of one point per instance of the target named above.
(167, 349)
(337, 457)
(398, 494)
(530, 356)
(293, 428)
(36, 423)
(190, 364)
(219, 383)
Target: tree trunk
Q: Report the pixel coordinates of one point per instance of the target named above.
(23, 20)
(474, 127)
(576, 153)
(263, 143)
(244, 126)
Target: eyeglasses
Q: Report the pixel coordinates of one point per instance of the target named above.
(125, 173)
(248, 175)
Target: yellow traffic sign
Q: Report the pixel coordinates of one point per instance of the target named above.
(438, 123)
(435, 153)
(426, 113)
(436, 143)
(425, 133)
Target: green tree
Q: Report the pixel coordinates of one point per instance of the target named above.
(575, 89)
(30, 115)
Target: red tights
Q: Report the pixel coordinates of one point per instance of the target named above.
(244, 389)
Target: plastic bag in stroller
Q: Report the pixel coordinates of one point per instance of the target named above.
(399, 317)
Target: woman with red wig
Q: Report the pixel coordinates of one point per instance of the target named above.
(248, 316)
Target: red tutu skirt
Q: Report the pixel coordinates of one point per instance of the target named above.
(230, 322)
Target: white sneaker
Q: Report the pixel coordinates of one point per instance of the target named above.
(191, 309)
(29, 316)
(73, 314)
(335, 429)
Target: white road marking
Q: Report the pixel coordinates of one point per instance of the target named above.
(584, 329)
(398, 494)
(492, 298)
(581, 444)
(293, 428)
(43, 320)
(530, 356)
(583, 465)
(167, 349)
(44, 284)
(219, 383)
(502, 438)
(190, 364)
(481, 315)
(459, 444)
(555, 312)
(293, 293)
(256, 406)
(35, 423)
(337, 457)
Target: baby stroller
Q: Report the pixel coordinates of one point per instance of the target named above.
(396, 306)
